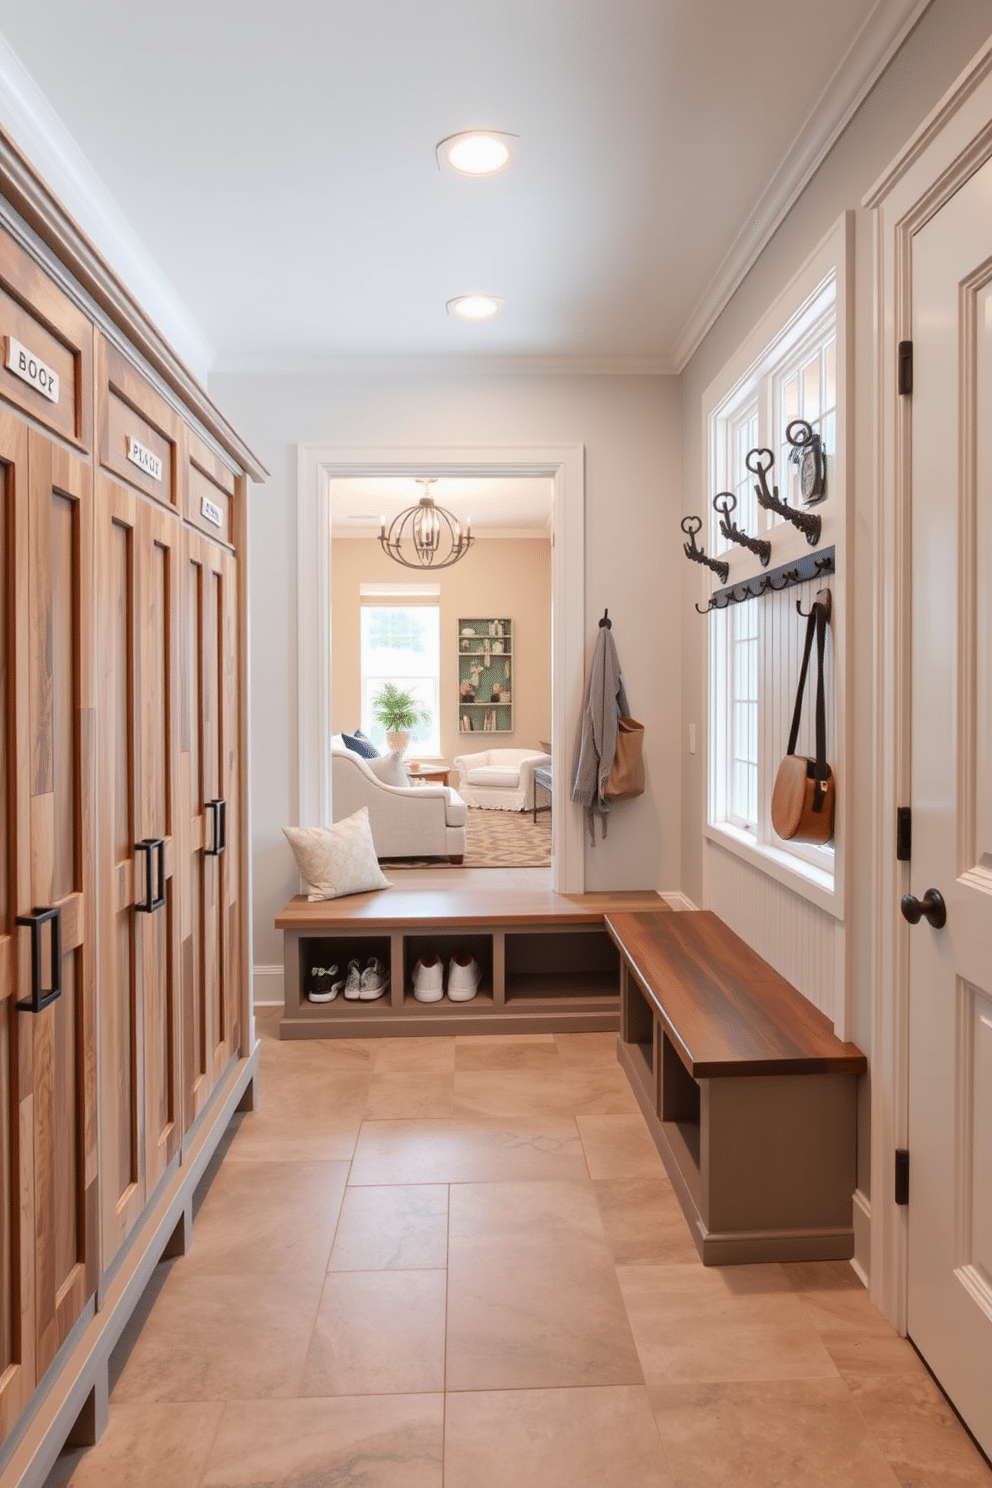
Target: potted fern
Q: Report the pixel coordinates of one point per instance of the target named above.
(399, 713)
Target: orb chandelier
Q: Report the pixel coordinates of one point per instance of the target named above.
(433, 538)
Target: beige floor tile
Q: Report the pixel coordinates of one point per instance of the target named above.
(378, 1333)
(619, 1147)
(167, 1445)
(793, 1433)
(479, 1040)
(600, 1091)
(720, 1324)
(527, 1057)
(582, 1050)
(413, 1055)
(869, 1353)
(312, 1093)
(836, 1298)
(533, 1300)
(467, 1151)
(401, 1227)
(644, 1222)
(263, 1139)
(513, 1093)
(919, 1433)
(580, 1438)
(222, 1338)
(396, 1094)
(380, 1442)
(268, 1217)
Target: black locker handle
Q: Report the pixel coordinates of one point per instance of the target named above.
(42, 997)
(218, 810)
(153, 901)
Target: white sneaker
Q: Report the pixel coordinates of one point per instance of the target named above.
(428, 979)
(323, 987)
(353, 982)
(464, 976)
(374, 981)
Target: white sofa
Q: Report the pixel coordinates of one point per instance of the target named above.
(501, 779)
(415, 821)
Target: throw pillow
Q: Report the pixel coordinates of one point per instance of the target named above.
(360, 745)
(337, 860)
(390, 769)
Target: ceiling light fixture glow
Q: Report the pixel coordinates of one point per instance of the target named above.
(474, 307)
(475, 152)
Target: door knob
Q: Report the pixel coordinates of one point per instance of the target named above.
(931, 907)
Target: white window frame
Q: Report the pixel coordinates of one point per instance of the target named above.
(751, 383)
(430, 746)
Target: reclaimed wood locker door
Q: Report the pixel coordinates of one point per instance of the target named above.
(138, 568)
(17, 1366)
(209, 771)
(58, 1043)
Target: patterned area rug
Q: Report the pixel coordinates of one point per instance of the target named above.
(497, 839)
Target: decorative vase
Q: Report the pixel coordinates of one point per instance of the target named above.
(398, 741)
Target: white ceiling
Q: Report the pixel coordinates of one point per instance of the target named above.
(515, 506)
(277, 160)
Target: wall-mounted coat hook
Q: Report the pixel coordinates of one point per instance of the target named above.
(824, 597)
(690, 526)
(759, 462)
(812, 566)
(724, 503)
(606, 621)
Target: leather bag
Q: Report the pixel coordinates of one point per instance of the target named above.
(804, 794)
(626, 777)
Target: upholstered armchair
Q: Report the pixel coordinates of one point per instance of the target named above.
(412, 821)
(501, 779)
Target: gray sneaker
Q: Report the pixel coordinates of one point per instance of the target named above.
(353, 982)
(375, 980)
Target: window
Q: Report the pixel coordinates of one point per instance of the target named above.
(756, 646)
(401, 644)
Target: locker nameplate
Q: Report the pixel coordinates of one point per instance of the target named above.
(31, 369)
(211, 512)
(144, 459)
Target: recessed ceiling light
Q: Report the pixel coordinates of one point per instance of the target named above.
(474, 306)
(475, 152)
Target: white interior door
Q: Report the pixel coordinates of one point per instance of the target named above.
(950, 1116)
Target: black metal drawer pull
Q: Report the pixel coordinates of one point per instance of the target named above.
(218, 810)
(153, 901)
(42, 997)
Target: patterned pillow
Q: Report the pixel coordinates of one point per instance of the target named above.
(390, 769)
(337, 860)
(358, 743)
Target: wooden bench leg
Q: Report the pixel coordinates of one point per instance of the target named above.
(92, 1420)
(181, 1239)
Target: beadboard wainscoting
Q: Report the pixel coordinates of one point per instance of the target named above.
(804, 943)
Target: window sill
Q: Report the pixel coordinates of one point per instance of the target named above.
(809, 882)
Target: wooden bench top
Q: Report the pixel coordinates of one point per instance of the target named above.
(727, 1012)
(463, 904)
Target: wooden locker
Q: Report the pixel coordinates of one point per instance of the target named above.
(209, 770)
(138, 554)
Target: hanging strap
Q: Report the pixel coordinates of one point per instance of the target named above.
(816, 624)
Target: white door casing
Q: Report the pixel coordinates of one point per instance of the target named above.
(931, 1263)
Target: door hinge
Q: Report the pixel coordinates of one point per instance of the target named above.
(905, 367)
(904, 833)
(902, 1175)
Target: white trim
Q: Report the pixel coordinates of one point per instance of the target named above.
(949, 146)
(792, 872)
(33, 124)
(860, 1261)
(675, 899)
(869, 53)
(565, 466)
(264, 992)
(359, 362)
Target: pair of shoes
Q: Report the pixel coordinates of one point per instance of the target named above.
(367, 985)
(464, 976)
(323, 987)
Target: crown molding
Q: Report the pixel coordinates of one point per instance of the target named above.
(390, 364)
(35, 128)
(874, 46)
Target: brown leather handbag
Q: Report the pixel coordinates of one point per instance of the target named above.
(626, 777)
(803, 798)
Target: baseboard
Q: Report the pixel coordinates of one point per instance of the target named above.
(861, 1260)
(675, 899)
(267, 986)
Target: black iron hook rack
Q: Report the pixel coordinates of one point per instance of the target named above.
(810, 566)
(760, 461)
(690, 526)
(724, 503)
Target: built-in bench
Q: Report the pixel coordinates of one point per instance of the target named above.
(749, 1095)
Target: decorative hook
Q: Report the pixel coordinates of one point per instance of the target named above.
(800, 572)
(606, 621)
(759, 462)
(823, 597)
(690, 526)
(724, 503)
(808, 454)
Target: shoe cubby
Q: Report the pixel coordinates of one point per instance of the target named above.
(338, 950)
(479, 945)
(560, 966)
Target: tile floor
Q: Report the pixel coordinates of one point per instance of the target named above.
(458, 1262)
